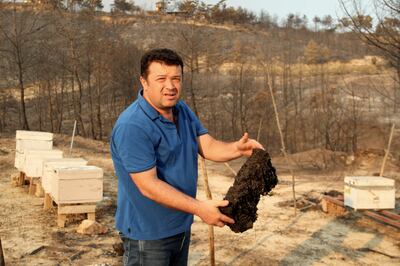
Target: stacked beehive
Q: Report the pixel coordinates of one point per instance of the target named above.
(33, 167)
(49, 166)
(30, 140)
(73, 185)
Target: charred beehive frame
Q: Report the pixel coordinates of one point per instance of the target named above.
(255, 178)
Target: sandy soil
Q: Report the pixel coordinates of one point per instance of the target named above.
(30, 235)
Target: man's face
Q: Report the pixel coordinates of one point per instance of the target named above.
(162, 88)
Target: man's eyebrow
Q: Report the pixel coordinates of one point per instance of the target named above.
(163, 76)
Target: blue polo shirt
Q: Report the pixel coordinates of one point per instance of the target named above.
(142, 139)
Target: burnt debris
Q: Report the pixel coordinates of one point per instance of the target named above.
(255, 178)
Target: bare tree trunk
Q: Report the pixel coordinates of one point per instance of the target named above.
(397, 89)
(114, 105)
(80, 103)
(18, 60)
(90, 89)
(98, 104)
(302, 117)
(192, 94)
(75, 62)
(242, 110)
(61, 104)
(74, 103)
(285, 102)
(233, 115)
(213, 118)
(39, 108)
(24, 119)
(50, 105)
(3, 124)
(354, 135)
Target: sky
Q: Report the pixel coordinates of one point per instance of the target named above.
(282, 8)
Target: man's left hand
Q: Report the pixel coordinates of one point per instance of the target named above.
(246, 145)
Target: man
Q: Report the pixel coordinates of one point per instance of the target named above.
(154, 146)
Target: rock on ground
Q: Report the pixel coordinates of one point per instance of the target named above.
(88, 227)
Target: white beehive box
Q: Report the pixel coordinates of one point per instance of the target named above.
(19, 160)
(30, 140)
(49, 165)
(78, 184)
(369, 192)
(33, 163)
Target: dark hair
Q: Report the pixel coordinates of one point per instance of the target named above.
(163, 55)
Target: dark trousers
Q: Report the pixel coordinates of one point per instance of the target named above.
(172, 250)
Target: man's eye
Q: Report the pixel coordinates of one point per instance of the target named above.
(161, 79)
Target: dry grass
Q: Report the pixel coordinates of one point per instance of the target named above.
(368, 65)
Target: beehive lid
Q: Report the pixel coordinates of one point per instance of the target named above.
(368, 181)
(43, 153)
(33, 135)
(78, 172)
(55, 161)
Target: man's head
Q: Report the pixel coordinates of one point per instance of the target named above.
(161, 78)
(163, 55)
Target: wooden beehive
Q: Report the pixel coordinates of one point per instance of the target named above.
(49, 165)
(369, 192)
(30, 140)
(19, 160)
(33, 163)
(78, 184)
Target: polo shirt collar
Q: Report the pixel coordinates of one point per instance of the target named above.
(146, 107)
(149, 110)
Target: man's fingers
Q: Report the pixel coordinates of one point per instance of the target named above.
(245, 138)
(220, 224)
(257, 145)
(222, 203)
(248, 146)
(252, 144)
(227, 219)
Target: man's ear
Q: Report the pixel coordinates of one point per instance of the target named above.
(143, 82)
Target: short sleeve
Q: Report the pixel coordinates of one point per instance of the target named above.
(194, 120)
(135, 148)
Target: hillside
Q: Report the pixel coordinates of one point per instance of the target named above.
(331, 75)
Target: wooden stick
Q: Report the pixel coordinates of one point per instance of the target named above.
(21, 179)
(377, 251)
(230, 169)
(282, 140)
(47, 201)
(389, 214)
(387, 151)
(72, 140)
(2, 263)
(209, 196)
(259, 129)
(383, 219)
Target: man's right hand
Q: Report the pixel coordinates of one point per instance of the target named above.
(208, 212)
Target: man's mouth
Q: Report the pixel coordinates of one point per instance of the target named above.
(170, 94)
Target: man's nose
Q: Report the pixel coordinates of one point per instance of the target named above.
(169, 84)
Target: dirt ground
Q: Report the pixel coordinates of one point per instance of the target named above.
(30, 235)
